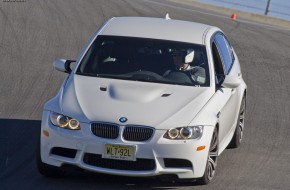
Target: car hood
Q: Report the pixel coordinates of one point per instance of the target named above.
(161, 106)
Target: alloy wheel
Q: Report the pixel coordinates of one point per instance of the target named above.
(241, 121)
(212, 158)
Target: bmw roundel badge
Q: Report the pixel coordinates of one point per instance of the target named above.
(123, 119)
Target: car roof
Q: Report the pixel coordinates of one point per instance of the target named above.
(156, 28)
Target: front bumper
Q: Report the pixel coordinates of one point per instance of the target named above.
(155, 152)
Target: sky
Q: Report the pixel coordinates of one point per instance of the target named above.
(278, 8)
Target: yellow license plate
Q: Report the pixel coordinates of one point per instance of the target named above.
(119, 152)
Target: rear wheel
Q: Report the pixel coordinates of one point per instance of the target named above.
(211, 165)
(46, 169)
(238, 135)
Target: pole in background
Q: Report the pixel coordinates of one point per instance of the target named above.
(267, 8)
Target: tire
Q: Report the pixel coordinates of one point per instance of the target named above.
(211, 165)
(238, 134)
(46, 169)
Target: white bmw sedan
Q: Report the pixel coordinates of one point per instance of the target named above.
(146, 97)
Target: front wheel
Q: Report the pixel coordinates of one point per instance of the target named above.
(238, 135)
(211, 165)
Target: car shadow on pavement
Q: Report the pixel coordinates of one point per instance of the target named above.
(18, 139)
(91, 180)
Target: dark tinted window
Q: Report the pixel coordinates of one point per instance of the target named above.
(146, 60)
(225, 51)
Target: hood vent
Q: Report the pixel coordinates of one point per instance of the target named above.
(165, 95)
(103, 88)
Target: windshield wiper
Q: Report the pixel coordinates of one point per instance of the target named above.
(143, 77)
(113, 76)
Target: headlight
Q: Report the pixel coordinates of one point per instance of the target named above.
(64, 121)
(183, 133)
(173, 133)
(186, 132)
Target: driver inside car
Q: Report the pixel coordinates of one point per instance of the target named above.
(189, 62)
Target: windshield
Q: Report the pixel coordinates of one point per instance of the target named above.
(147, 60)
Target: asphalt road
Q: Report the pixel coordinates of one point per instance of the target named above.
(35, 33)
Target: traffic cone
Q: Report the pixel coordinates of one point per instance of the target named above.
(234, 16)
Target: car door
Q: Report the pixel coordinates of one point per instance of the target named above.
(223, 58)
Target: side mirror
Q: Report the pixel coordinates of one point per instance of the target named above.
(63, 65)
(231, 82)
